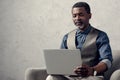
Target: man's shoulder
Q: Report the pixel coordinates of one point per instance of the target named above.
(71, 31)
(100, 32)
(74, 30)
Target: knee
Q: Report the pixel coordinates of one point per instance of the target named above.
(49, 77)
(115, 75)
(53, 77)
(56, 77)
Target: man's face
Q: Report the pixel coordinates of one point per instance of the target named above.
(80, 17)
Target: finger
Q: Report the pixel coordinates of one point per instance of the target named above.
(78, 67)
(81, 71)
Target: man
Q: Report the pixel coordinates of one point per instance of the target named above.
(93, 44)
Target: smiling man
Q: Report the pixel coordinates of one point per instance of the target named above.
(93, 44)
(81, 17)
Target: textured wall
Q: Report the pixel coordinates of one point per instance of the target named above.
(29, 26)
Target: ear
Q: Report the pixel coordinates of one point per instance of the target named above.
(90, 15)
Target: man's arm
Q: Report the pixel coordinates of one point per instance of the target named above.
(100, 68)
(104, 49)
(85, 70)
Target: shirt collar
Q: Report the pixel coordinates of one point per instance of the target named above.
(86, 31)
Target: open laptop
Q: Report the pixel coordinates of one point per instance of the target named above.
(62, 61)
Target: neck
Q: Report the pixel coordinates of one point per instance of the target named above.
(85, 27)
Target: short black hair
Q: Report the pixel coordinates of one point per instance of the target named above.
(83, 4)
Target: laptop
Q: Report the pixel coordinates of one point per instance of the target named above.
(62, 61)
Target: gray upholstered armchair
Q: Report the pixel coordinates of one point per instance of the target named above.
(41, 74)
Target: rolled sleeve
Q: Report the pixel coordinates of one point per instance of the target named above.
(107, 62)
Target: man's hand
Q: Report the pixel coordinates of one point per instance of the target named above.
(84, 71)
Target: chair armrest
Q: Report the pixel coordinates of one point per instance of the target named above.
(35, 74)
(115, 75)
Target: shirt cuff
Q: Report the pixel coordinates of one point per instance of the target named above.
(107, 62)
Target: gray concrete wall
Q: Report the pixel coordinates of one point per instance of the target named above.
(29, 26)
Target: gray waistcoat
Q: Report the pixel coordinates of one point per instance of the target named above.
(89, 52)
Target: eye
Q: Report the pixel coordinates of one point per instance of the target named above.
(74, 15)
(81, 14)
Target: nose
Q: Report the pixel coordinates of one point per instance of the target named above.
(77, 17)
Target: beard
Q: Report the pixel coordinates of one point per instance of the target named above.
(80, 25)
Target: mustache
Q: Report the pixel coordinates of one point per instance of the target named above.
(79, 21)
